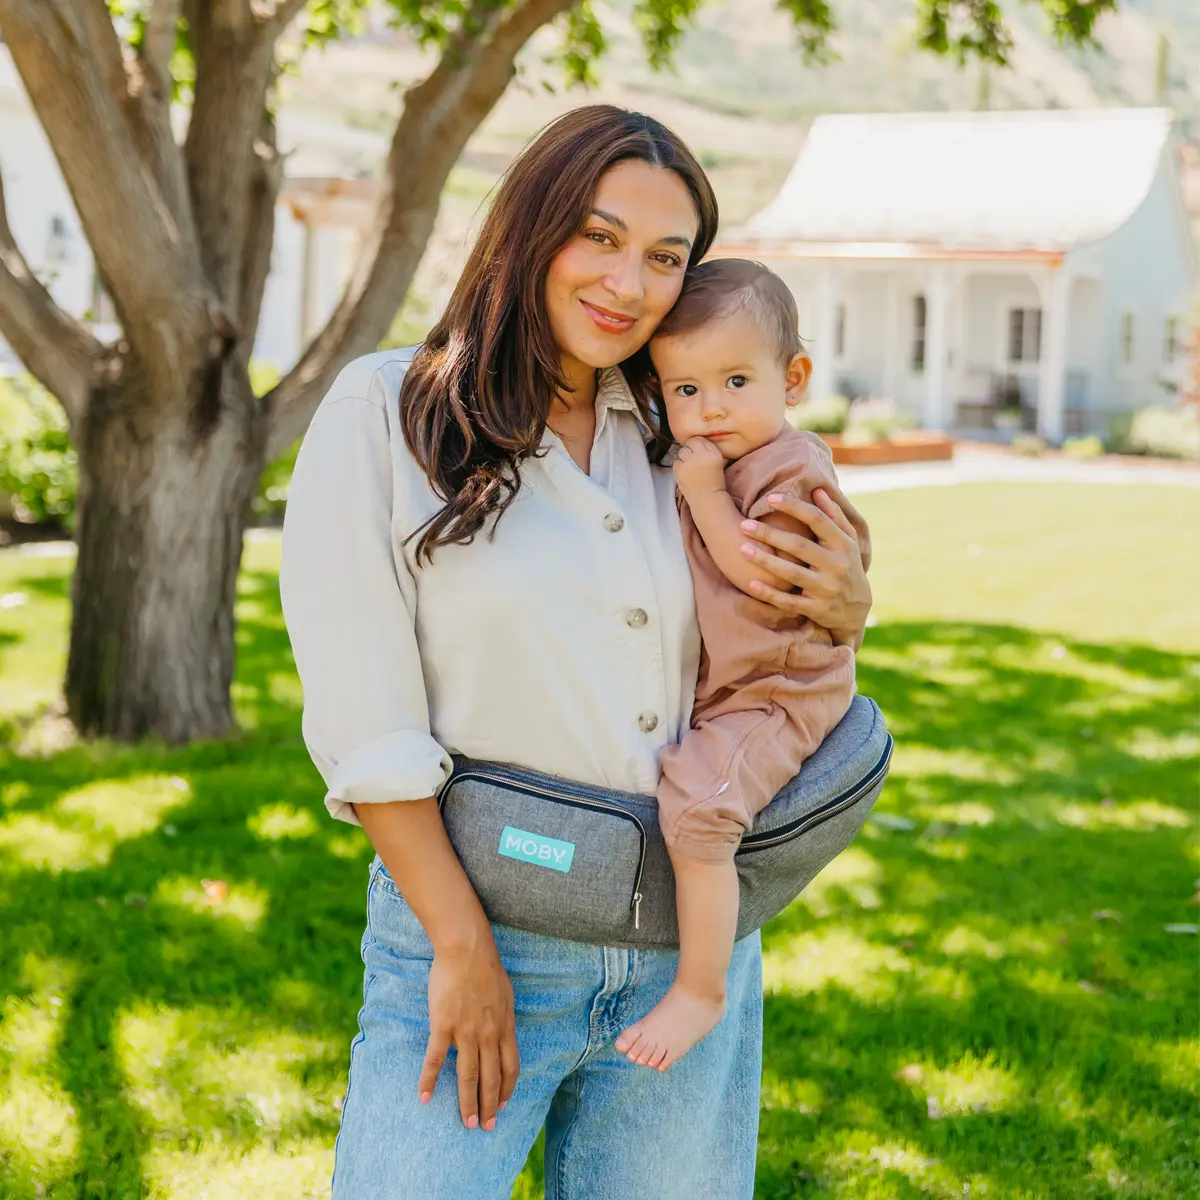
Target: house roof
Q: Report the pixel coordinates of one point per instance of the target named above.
(998, 181)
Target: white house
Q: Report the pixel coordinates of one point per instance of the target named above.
(965, 264)
(316, 230)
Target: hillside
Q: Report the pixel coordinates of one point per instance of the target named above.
(739, 93)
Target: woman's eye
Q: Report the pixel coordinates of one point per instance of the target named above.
(737, 381)
(598, 236)
(668, 260)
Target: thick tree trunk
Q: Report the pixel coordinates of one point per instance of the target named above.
(163, 506)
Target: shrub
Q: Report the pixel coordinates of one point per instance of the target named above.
(1029, 445)
(1165, 432)
(826, 415)
(874, 419)
(39, 476)
(1083, 447)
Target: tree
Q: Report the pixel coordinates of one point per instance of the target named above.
(170, 435)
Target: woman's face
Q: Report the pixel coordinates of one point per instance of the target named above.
(614, 281)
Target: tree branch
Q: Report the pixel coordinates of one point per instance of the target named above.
(158, 44)
(69, 59)
(260, 231)
(54, 346)
(234, 69)
(440, 115)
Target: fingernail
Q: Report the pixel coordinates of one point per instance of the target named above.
(472, 1121)
(502, 1104)
(774, 499)
(748, 551)
(426, 1097)
(490, 1125)
(749, 526)
(756, 585)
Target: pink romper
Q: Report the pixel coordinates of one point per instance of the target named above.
(771, 686)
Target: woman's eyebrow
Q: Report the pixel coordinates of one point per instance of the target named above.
(613, 219)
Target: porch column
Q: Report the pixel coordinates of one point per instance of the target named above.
(824, 333)
(937, 347)
(891, 339)
(1052, 364)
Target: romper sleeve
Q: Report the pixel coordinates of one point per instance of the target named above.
(349, 603)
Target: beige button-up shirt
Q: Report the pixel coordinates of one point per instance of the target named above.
(568, 643)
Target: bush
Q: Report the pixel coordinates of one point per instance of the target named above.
(39, 475)
(1029, 445)
(1164, 433)
(874, 419)
(273, 486)
(1083, 447)
(827, 415)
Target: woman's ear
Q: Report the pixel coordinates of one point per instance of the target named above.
(796, 376)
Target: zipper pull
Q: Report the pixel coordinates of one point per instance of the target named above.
(637, 910)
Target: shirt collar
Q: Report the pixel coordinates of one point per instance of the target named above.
(612, 392)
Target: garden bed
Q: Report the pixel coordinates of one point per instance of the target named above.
(913, 445)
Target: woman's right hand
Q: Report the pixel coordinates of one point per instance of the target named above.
(470, 994)
(471, 1008)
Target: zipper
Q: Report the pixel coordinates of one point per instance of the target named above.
(764, 841)
(572, 800)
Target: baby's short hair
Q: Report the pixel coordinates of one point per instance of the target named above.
(722, 286)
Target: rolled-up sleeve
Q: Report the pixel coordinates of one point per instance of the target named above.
(350, 609)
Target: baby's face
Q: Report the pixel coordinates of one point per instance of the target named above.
(724, 382)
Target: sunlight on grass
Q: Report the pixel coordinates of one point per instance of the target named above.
(791, 1095)
(244, 904)
(1151, 745)
(299, 1170)
(834, 957)
(971, 1085)
(1139, 816)
(39, 1127)
(854, 873)
(276, 822)
(896, 1167)
(217, 1076)
(84, 826)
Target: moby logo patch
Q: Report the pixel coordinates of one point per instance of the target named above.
(536, 849)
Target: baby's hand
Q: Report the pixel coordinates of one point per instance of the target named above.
(700, 468)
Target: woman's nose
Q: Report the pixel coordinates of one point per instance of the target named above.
(624, 281)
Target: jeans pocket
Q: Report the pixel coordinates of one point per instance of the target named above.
(392, 927)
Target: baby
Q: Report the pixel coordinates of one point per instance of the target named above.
(729, 363)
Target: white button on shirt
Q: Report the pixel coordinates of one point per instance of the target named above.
(554, 645)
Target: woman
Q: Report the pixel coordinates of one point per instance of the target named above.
(480, 557)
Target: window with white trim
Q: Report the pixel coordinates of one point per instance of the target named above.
(1024, 335)
(1128, 341)
(916, 360)
(1172, 341)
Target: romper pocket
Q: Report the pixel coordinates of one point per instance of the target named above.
(569, 868)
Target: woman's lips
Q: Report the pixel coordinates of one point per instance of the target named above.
(609, 321)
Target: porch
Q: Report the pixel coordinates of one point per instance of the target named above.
(987, 346)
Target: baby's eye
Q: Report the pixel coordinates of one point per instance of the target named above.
(686, 389)
(736, 381)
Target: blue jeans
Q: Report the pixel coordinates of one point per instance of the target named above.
(613, 1131)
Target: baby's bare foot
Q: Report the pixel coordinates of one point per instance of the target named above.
(671, 1028)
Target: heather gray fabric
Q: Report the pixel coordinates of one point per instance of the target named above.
(514, 831)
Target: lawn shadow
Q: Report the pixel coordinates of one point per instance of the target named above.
(179, 1016)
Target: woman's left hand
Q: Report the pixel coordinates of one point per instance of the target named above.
(831, 569)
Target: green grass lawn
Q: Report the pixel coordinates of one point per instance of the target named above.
(979, 998)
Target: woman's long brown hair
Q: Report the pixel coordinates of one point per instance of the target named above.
(475, 401)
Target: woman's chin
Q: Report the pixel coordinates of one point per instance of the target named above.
(602, 350)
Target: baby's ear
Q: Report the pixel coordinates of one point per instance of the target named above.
(796, 376)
